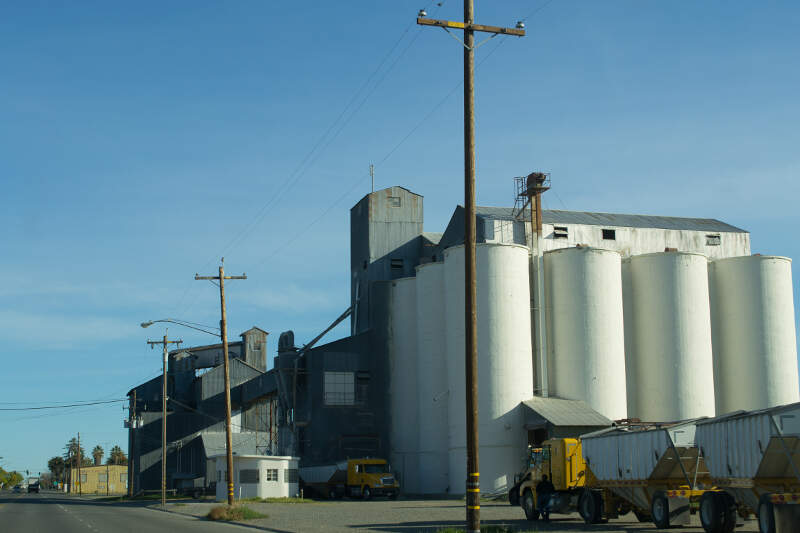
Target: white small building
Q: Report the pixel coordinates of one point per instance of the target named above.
(258, 476)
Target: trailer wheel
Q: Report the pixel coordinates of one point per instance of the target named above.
(529, 506)
(659, 510)
(513, 496)
(590, 506)
(766, 515)
(642, 516)
(711, 516)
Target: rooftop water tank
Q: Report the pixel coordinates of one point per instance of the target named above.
(505, 367)
(432, 379)
(672, 365)
(755, 350)
(404, 433)
(586, 342)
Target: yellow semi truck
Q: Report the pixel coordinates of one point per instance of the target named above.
(356, 478)
(562, 462)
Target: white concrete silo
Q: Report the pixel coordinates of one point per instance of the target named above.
(404, 455)
(505, 367)
(629, 320)
(671, 346)
(432, 379)
(755, 350)
(586, 342)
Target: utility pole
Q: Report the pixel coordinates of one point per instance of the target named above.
(470, 311)
(80, 460)
(165, 343)
(133, 446)
(224, 334)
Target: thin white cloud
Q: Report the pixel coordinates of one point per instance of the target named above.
(61, 331)
(295, 299)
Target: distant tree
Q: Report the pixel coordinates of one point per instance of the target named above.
(117, 457)
(57, 466)
(71, 453)
(97, 454)
(9, 479)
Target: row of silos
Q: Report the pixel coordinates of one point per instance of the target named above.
(429, 416)
(698, 338)
(660, 337)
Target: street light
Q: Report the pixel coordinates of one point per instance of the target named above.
(166, 343)
(192, 325)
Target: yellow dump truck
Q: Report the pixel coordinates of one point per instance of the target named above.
(356, 478)
(562, 462)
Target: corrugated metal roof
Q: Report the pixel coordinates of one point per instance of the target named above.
(560, 412)
(243, 443)
(554, 216)
(432, 237)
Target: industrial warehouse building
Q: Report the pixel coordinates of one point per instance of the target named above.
(649, 317)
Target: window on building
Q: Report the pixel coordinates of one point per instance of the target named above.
(609, 234)
(83, 478)
(272, 474)
(713, 240)
(365, 264)
(393, 201)
(397, 264)
(290, 475)
(560, 232)
(123, 478)
(102, 478)
(339, 388)
(362, 387)
(256, 346)
(248, 476)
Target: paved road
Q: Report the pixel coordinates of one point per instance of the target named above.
(58, 513)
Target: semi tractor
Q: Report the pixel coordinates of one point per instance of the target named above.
(356, 478)
(715, 471)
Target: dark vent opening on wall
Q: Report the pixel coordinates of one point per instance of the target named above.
(609, 235)
(713, 240)
(397, 263)
(560, 232)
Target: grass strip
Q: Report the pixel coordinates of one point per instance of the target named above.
(233, 513)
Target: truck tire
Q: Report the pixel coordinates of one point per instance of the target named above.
(366, 493)
(513, 496)
(711, 516)
(766, 515)
(529, 505)
(659, 510)
(590, 506)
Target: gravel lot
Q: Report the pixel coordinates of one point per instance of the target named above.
(412, 516)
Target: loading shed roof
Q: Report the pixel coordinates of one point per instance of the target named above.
(560, 412)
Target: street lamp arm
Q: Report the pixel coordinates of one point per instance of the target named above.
(181, 323)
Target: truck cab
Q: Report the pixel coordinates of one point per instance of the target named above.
(371, 477)
(562, 462)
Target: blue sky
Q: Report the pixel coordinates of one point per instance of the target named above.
(140, 142)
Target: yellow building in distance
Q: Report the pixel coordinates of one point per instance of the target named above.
(103, 479)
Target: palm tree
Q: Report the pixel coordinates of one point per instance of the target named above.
(117, 457)
(97, 454)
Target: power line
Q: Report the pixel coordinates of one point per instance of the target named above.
(59, 406)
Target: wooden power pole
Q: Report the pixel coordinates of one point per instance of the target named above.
(470, 311)
(165, 343)
(132, 414)
(224, 334)
(80, 460)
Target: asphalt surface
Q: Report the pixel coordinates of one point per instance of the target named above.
(59, 513)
